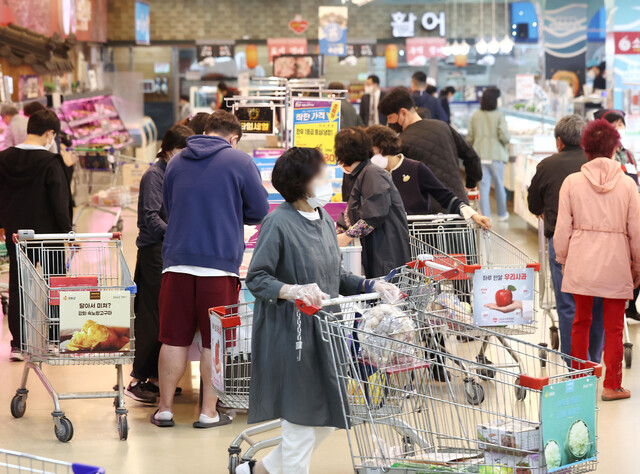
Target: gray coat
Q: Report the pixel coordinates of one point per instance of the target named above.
(299, 386)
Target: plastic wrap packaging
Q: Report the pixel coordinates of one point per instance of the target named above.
(118, 196)
(455, 309)
(389, 322)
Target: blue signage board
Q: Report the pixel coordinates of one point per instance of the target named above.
(143, 23)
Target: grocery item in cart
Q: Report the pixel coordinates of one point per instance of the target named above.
(394, 326)
(117, 196)
(516, 434)
(97, 337)
(456, 309)
(498, 462)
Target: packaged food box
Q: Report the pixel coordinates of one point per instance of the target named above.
(510, 434)
(496, 462)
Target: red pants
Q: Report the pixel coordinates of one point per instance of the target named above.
(613, 316)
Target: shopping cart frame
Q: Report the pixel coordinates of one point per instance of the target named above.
(19, 463)
(31, 328)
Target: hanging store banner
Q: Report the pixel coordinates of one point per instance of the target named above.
(362, 49)
(565, 41)
(503, 297)
(281, 46)
(315, 125)
(627, 43)
(568, 422)
(215, 49)
(624, 32)
(419, 50)
(257, 120)
(332, 30)
(143, 23)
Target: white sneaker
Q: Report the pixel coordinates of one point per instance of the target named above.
(15, 355)
(503, 218)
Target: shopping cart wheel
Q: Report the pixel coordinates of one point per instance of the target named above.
(554, 334)
(482, 371)
(65, 432)
(474, 392)
(18, 405)
(521, 393)
(628, 354)
(123, 427)
(234, 462)
(543, 354)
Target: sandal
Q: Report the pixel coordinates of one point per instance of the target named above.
(161, 423)
(224, 420)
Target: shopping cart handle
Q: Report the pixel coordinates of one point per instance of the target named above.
(307, 309)
(597, 368)
(29, 234)
(312, 309)
(534, 383)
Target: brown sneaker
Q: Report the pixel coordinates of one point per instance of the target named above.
(609, 394)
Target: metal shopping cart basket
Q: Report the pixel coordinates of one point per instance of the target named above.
(546, 295)
(76, 308)
(231, 353)
(403, 421)
(100, 182)
(13, 462)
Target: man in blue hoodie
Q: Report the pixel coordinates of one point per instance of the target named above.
(210, 191)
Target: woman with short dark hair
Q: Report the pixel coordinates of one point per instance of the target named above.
(375, 213)
(623, 156)
(297, 257)
(597, 239)
(489, 136)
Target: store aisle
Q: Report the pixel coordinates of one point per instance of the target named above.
(184, 449)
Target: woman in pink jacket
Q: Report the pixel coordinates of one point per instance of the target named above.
(597, 238)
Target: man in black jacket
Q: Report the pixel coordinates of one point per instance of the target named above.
(370, 101)
(544, 192)
(34, 194)
(432, 142)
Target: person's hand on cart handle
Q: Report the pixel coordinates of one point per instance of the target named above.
(310, 294)
(389, 293)
(482, 221)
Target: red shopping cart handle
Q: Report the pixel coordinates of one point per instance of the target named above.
(228, 321)
(307, 309)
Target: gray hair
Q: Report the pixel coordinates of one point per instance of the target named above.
(8, 110)
(569, 129)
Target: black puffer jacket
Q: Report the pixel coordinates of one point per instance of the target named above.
(439, 146)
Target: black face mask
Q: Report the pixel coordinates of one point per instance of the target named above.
(396, 127)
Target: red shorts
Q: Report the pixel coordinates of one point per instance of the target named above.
(184, 305)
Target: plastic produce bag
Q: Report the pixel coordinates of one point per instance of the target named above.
(389, 322)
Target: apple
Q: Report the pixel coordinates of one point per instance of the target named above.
(504, 297)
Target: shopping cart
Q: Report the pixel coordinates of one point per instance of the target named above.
(99, 183)
(76, 308)
(546, 293)
(4, 269)
(403, 421)
(14, 462)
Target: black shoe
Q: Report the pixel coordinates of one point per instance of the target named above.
(16, 355)
(440, 374)
(140, 393)
(631, 314)
(153, 388)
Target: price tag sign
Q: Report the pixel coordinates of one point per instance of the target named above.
(503, 297)
(315, 125)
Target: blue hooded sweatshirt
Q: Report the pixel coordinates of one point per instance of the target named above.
(210, 191)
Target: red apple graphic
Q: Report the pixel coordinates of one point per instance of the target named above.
(504, 297)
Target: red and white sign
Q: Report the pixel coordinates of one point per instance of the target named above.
(280, 46)
(419, 50)
(298, 25)
(627, 43)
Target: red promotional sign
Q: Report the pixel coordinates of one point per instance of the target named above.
(627, 42)
(419, 50)
(280, 46)
(298, 25)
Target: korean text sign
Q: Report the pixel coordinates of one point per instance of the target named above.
(503, 297)
(256, 120)
(332, 30)
(315, 125)
(568, 415)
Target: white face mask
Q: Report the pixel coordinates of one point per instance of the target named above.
(322, 191)
(623, 134)
(499, 102)
(381, 161)
(368, 89)
(591, 74)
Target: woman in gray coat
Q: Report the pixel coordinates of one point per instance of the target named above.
(297, 257)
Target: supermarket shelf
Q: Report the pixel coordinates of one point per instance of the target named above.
(83, 121)
(99, 134)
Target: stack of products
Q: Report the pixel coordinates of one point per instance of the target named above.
(513, 444)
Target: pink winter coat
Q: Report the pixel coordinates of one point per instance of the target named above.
(597, 235)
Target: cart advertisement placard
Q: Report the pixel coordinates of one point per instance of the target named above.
(503, 297)
(95, 320)
(568, 416)
(315, 125)
(256, 120)
(217, 355)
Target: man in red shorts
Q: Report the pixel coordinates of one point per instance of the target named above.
(210, 191)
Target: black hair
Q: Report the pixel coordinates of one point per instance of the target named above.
(336, 86)
(198, 122)
(375, 79)
(602, 66)
(223, 123)
(353, 145)
(431, 89)
(32, 107)
(385, 139)
(447, 90)
(611, 116)
(175, 137)
(222, 86)
(184, 97)
(398, 98)
(294, 170)
(43, 121)
(489, 100)
(420, 77)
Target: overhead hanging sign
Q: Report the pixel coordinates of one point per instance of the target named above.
(403, 25)
(361, 49)
(143, 23)
(256, 120)
(627, 43)
(332, 30)
(215, 49)
(419, 50)
(315, 125)
(281, 46)
(298, 25)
